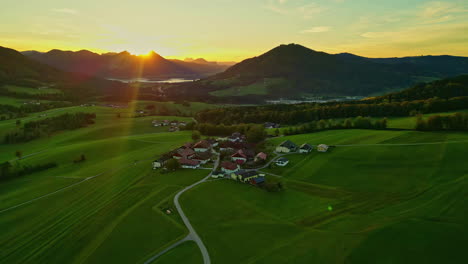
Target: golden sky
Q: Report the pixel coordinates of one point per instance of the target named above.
(232, 30)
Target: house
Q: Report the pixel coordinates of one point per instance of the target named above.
(305, 148)
(226, 146)
(244, 176)
(322, 148)
(229, 167)
(189, 164)
(159, 163)
(173, 129)
(186, 153)
(258, 181)
(202, 157)
(262, 156)
(217, 174)
(165, 122)
(236, 137)
(213, 142)
(239, 157)
(157, 124)
(182, 123)
(201, 146)
(174, 123)
(271, 125)
(282, 161)
(286, 147)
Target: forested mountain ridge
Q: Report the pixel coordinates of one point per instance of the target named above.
(294, 71)
(124, 65)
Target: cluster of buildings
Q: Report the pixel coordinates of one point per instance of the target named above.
(189, 156)
(173, 125)
(290, 147)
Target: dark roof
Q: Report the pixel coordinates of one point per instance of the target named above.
(185, 161)
(288, 144)
(185, 152)
(306, 146)
(258, 180)
(202, 144)
(202, 156)
(282, 159)
(229, 165)
(246, 174)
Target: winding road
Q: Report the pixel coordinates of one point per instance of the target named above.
(192, 235)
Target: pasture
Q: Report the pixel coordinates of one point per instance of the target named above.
(386, 197)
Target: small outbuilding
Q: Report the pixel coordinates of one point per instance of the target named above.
(282, 162)
(305, 148)
(322, 148)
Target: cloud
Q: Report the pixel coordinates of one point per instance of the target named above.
(309, 10)
(318, 29)
(65, 11)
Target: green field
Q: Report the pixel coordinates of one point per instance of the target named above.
(259, 88)
(391, 203)
(32, 91)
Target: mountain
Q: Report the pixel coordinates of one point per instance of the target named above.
(19, 69)
(294, 71)
(124, 65)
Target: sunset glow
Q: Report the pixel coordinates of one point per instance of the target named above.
(235, 30)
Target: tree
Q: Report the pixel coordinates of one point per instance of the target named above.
(277, 132)
(256, 134)
(18, 154)
(172, 165)
(196, 135)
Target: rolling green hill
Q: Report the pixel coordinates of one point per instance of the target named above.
(306, 73)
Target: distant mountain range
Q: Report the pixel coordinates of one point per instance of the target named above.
(292, 71)
(124, 65)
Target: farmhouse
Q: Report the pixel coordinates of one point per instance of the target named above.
(286, 147)
(189, 164)
(322, 148)
(239, 157)
(159, 163)
(229, 167)
(271, 125)
(217, 174)
(244, 176)
(186, 153)
(282, 162)
(258, 181)
(236, 137)
(305, 148)
(201, 146)
(262, 156)
(202, 157)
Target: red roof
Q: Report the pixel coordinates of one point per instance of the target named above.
(262, 155)
(239, 154)
(186, 152)
(229, 165)
(185, 161)
(202, 144)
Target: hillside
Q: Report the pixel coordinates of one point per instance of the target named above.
(445, 88)
(17, 69)
(294, 71)
(124, 65)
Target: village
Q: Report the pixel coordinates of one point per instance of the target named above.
(237, 158)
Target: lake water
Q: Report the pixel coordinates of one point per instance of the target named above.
(145, 80)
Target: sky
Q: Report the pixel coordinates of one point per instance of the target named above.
(233, 30)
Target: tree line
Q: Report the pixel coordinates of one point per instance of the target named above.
(10, 171)
(457, 121)
(349, 123)
(307, 112)
(45, 127)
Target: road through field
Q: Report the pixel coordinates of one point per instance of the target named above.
(192, 233)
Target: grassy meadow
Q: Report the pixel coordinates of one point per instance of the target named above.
(392, 199)
(390, 203)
